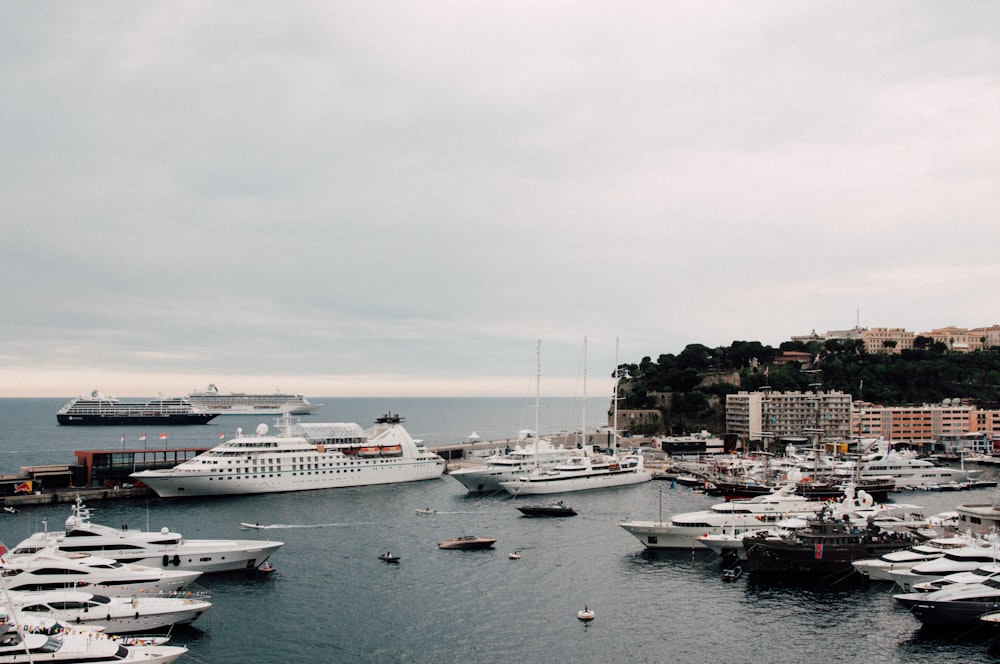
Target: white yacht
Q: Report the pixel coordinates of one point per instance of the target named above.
(239, 403)
(486, 478)
(156, 549)
(113, 615)
(48, 570)
(963, 559)
(903, 467)
(958, 604)
(582, 471)
(878, 569)
(300, 457)
(36, 643)
(733, 517)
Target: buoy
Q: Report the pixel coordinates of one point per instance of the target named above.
(586, 615)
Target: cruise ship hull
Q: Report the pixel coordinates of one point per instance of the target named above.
(178, 484)
(130, 420)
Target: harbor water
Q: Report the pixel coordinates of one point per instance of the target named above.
(332, 600)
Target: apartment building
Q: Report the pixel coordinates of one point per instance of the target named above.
(756, 416)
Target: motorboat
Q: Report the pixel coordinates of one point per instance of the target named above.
(114, 615)
(426, 511)
(558, 508)
(389, 557)
(51, 570)
(586, 615)
(582, 471)
(239, 403)
(730, 574)
(959, 604)
(53, 643)
(300, 457)
(467, 543)
(156, 549)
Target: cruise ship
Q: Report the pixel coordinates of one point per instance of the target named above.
(300, 457)
(239, 403)
(98, 409)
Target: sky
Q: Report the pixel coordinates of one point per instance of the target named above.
(402, 198)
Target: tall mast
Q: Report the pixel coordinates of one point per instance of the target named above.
(583, 431)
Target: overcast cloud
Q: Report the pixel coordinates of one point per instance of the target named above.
(400, 198)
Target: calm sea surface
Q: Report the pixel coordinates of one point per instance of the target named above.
(332, 600)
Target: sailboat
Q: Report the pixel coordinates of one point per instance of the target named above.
(539, 453)
(585, 469)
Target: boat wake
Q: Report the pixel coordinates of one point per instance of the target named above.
(290, 526)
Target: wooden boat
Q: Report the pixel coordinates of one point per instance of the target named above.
(467, 543)
(551, 509)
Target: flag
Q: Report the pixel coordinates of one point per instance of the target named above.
(222, 434)
(23, 487)
(142, 438)
(163, 436)
(123, 439)
(819, 550)
(816, 359)
(3, 551)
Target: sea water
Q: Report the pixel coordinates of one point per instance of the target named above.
(332, 600)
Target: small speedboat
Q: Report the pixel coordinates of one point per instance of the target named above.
(266, 568)
(467, 543)
(427, 510)
(586, 615)
(552, 509)
(389, 557)
(514, 555)
(9, 510)
(251, 526)
(732, 573)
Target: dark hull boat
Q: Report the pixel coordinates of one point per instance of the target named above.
(827, 546)
(552, 509)
(467, 543)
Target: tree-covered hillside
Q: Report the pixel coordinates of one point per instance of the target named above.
(690, 387)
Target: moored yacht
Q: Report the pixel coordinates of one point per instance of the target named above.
(903, 467)
(37, 644)
(301, 457)
(113, 615)
(579, 473)
(962, 559)
(486, 478)
(49, 570)
(959, 604)
(156, 549)
(878, 569)
(733, 517)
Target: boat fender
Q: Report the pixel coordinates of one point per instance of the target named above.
(166, 560)
(177, 560)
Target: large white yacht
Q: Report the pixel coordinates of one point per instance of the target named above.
(300, 457)
(962, 559)
(113, 615)
(486, 478)
(733, 517)
(878, 569)
(904, 467)
(580, 472)
(239, 403)
(48, 570)
(156, 549)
